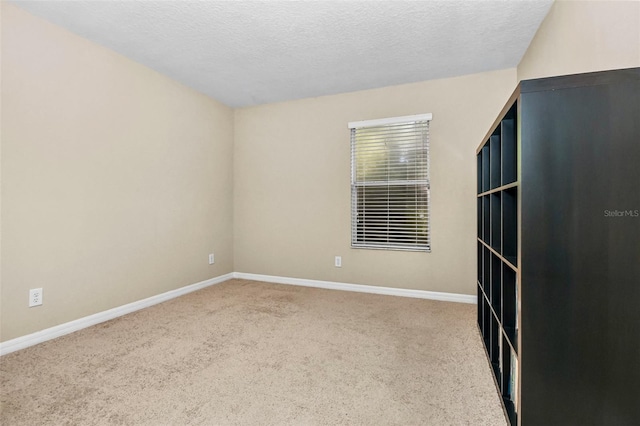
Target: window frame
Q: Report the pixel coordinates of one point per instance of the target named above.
(425, 183)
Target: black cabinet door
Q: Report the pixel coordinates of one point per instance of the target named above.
(581, 255)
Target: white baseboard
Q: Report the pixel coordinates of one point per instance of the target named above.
(419, 294)
(69, 327)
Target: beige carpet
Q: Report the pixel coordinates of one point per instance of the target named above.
(252, 353)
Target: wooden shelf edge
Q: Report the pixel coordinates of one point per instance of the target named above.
(504, 259)
(504, 330)
(499, 189)
(484, 294)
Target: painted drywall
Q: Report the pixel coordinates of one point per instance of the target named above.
(116, 180)
(1, 8)
(584, 36)
(292, 184)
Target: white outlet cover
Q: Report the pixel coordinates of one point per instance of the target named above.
(212, 259)
(338, 262)
(35, 297)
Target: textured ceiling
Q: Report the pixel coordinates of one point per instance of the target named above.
(246, 53)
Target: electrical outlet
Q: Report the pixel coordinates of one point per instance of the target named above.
(35, 297)
(338, 262)
(212, 259)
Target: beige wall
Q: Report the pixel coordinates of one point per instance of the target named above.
(584, 36)
(1, 9)
(116, 180)
(292, 195)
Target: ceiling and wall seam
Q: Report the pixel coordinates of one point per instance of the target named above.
(253, 53)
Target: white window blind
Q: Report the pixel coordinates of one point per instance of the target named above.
(390, 183)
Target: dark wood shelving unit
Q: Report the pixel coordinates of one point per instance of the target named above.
(497, 241)
(558, 250)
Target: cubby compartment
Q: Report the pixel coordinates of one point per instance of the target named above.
(486, 324)
(479, 171)
(486, 222)
(495, 346)
(496, 228)
(495, 174)
(509, 380)
(486, 270)
(485, 168)
(509, 146)
(510, 305)
(480, 298)
(496, 283)
(480, 217)
(480, 264)
(505, 367)
(510, 225)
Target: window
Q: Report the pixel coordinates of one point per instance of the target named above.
(390, 183)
